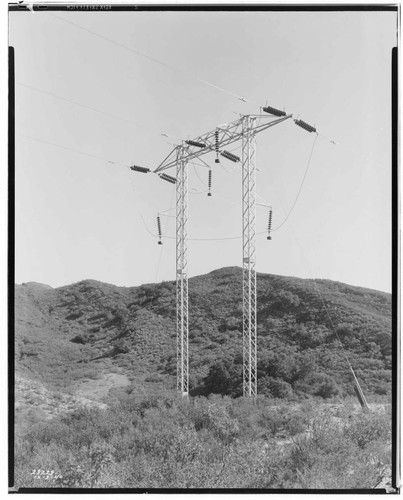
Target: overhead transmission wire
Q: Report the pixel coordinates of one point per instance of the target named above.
(215, 239)
(70, 101)
(198, 176)
(336, 143)
(265, 204)
(303, 254)
(166, 230)
(129, 121)
(179, 70)
(199, 239)
(154, 59)
(195, 191)
(361, 156)
(73, 150)
(300, 187)
(333, 328)
(152, 131)
(201, 192)
(188, 239)
(345, 355)
(96, 110)
(229, 93)
(142, 54)
(163, 213)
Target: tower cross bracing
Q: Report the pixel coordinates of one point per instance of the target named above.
(182, 324)
(249, 336)
(244, 129)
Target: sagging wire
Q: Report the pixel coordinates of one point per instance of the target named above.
(166, 230)
(168, 136)
(70, 101)
(73, 150)
(208, 191)
(197, 174)
(267, 108)
(362, 157)
(300, 187)
(95, 110)
(265, 204)
(201, 239)
(358, 388)
(146, 56)
(165, 215)
(208, 185)
(195, 191)
(203, 164)
(225, 169)
(167, 210)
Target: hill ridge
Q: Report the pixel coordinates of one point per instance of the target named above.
(214, 272)
(90, 328)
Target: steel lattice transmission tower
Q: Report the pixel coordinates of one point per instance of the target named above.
(249, 258)
(244, 129)
(182, 324)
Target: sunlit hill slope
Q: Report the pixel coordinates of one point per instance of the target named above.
(87, 338)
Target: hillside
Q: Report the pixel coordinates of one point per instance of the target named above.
(96, 404)
(89, 337)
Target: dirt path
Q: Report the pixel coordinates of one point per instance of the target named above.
(99, 388)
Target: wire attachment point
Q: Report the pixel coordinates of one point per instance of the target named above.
(136, 168)
(168, 178)
(210, 173)
(159, 230)
(269, 224)
(230, 156)
(217, 160)
(305, 125)
(196, 144)
(274, 111)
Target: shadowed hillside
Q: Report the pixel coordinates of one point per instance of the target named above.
(69, 337)
(96, 404)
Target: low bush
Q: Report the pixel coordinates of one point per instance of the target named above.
(166, 441)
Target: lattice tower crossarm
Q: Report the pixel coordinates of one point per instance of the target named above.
(228, 134)
(182, 324)
(249, 258)
(245, 129)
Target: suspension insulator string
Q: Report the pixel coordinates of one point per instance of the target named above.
(196, 144)
(159, 230)
(168, 178)
(274, 111)
(305, 125)
(210, 173)
(230, 156)
(217, 160)
(269, 224)
(136, 168)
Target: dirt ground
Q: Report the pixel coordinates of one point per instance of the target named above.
(99, 388)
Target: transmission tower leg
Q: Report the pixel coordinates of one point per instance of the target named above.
(249, 259)
(182, 325)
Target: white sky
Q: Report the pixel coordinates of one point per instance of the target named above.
(78, 217)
